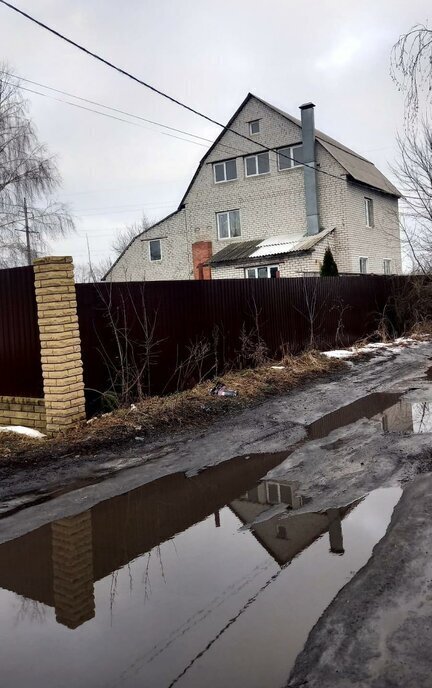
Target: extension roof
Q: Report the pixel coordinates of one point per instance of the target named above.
(282, 244)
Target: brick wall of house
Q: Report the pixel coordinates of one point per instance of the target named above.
(176, 245)
(269, 205)
(374, 243)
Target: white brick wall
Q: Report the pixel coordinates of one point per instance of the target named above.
(135, 264)
(269, 205)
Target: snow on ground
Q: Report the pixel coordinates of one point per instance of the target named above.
(373, 347)
(22, 430)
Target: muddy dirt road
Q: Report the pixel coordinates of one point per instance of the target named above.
(265, 545)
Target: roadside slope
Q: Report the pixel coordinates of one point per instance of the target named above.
(376, 633)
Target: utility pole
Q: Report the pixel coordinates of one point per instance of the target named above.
(27, 233)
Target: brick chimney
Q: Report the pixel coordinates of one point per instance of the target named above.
(310, 185)
(201, 253)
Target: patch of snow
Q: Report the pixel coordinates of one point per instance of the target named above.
(339, 353)
(376, 345)
(22, 430)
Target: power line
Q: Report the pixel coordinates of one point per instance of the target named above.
(119, 119)
(108, 107)
(106, 114)
(156, 90)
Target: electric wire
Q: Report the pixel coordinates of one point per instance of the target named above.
(156, 90)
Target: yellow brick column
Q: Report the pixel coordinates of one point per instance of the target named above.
(60, 342)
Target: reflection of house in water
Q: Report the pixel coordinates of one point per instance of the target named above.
(286, 536)
(408, 416)
(395, 414)
(398, 418)
(58, 564)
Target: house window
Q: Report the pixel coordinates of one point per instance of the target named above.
(254, 126)
(273, 494)
(289, 157)
(155, 249)
(228, 224)
(262, 271)
(281, 532)
(257, 164)
(225, 171)
(363, 266)
(387, 266)
(369, 214)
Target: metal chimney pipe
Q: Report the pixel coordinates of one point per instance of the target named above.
(310, 184)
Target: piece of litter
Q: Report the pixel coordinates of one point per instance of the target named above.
(281, 367)
(22, 430)
(221, 390)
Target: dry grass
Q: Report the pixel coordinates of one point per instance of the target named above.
(195, 407)
(421, 330)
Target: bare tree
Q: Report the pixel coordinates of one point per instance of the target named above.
(127, 234)
(411, 68)
(91, 272)
(414, 173)
(28, 176)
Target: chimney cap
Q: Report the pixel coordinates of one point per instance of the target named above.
(307, 106)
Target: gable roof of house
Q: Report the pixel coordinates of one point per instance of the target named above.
(280, 245)
(357, 167)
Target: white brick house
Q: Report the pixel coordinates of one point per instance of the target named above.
(251, 212)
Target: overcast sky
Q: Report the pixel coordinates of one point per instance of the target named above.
(208, 54)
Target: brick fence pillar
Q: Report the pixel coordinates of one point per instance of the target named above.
(60, 342)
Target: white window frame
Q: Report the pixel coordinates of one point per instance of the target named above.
(254, 133)
(269, 267)
(389, 263)
(257, 174)
(291, 157)
(227, 212)
(369, 212)
(269, 483)
(154, 260)
(224, 162)
(365, 258)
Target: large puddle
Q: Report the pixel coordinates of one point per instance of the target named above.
(161, 587)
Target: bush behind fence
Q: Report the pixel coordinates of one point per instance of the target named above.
(158, 337)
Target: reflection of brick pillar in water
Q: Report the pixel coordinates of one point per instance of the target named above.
(335, 531)
(72, 556)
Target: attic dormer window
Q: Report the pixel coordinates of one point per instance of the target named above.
(289, 157)
(254, 127)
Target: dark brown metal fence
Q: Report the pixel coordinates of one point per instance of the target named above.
(20, 364)
(171, 324)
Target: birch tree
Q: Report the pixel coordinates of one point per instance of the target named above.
(28, 177)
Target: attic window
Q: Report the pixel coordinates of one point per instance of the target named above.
(254, 127)
(257, 164)
(225, 171)
(155, 250)
(289, 157)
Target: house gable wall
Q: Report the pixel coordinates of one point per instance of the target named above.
(176, 263)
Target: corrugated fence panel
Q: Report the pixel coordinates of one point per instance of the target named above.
(20, 365)
(176, 316)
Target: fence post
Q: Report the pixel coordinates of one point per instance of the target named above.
(62, 368)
